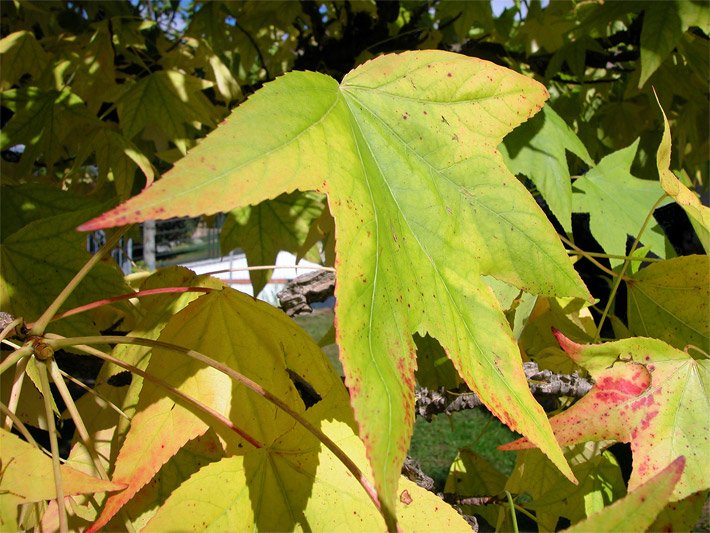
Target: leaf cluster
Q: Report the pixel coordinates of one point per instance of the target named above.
(490, 188)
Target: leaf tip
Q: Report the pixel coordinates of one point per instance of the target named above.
(570, 347)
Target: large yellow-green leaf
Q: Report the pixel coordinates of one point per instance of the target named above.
(669, 300)
(27, 474)
(618, 204)
(297, 484)
(698, 213)
(249, 336)
(646, 393)
(638, 510)
(406, 149)
(263, 230)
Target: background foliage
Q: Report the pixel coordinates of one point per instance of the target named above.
(99, 99)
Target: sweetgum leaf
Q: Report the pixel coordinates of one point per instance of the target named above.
(698, 213)
(618, 204)
(537, 149)
(405, 148)
(251, 337)
(646, 393)
(263, 230)
(637, 511)
(27, 474)
(669, 300)
(296, 484)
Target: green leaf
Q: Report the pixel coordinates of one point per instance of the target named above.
(169, 101)
(646, 393)
(27, 296)
(669, 300)
(116, 159)
(20, 205)
(405, 148)
(698, 214)
(553, 496)
(537, 149)
(637, 511)
(618, 204)
(43, 122)
(20, 54)
(662, 29)
(264, 230)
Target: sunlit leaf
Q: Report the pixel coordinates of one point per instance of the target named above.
(637, 511)
(669, 300)
(251, 337)
(698, 214)
(406, 149)
(646, 393)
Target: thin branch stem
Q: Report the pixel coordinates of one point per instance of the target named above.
(511, 504)
(258, 50)
(609, 256)
(625, 266)
(589, 257)
(57, 343)
(41, 323)
(93, 392)
(54, 446)
(10, 327)
(15, 390)
(15, 356)
(19, 425)
(76, 417)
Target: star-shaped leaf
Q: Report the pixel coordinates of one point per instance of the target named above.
(669, 300)
(618, 204)
(538, 149)
(646, 393)
(406, 149)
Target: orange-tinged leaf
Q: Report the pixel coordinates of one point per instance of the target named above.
(406, 149)
(646, 393)
(249, 336)
(637, 511)
(27, 473)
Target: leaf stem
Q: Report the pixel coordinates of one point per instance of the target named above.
(19, 425)
(511, 504)
(627, 262)
(55, 342)
(15, 356)
(15, 390)
(127, 296)
(54, 446)
(590, 257)
(41, 323)
(76, 417)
